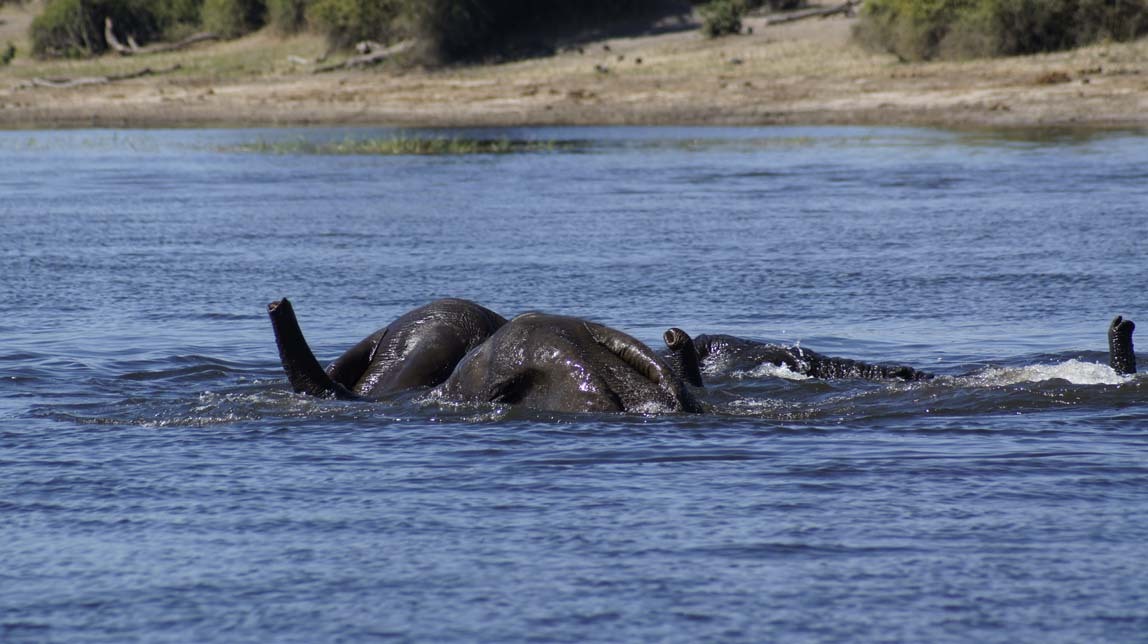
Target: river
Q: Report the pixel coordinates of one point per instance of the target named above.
(160, 482)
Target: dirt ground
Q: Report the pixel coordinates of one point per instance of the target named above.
(806, 72)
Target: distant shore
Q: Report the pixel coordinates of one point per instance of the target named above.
(806, 72)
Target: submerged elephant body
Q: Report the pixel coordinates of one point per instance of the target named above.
(540, 361)
(731, 350)
(557, 363)
(735, 352)
(419, 349)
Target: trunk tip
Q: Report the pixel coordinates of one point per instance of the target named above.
(278, 304)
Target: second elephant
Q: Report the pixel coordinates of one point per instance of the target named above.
(566, 364)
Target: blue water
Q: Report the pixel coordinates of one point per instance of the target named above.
(159, 482)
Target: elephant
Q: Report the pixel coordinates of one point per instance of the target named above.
(419, 349)
(740, 351)
(558, 363)
(566, 364)
(732, 350)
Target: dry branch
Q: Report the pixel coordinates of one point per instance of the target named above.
(133, 49)
(63, 83)
(372, 58)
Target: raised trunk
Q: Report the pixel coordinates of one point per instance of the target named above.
(303, 370)
(1121, 354)
(683, 356)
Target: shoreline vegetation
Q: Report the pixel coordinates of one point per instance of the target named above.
(803, 72)
(403, 145)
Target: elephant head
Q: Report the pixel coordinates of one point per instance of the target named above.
(566, 364)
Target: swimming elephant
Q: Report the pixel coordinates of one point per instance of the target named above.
(419, 349)
(735, 352)
(566, 364)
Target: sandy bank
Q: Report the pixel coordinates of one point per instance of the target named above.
(807, 72)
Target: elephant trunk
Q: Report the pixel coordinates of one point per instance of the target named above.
(303, 370)
(683, 357)
(1121, 355)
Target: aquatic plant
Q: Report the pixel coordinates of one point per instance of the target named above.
(402, 145)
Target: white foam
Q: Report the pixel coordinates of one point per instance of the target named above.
(1074, 371)
(769, 370)
(651, 408)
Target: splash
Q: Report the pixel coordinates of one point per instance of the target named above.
(1074, 371)
(769, 370)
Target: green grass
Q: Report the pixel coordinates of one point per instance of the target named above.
(401, 145)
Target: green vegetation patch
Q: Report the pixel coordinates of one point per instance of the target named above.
(72, 28)
(956, 29)
(446, 30)
(403, 145)
(722, 17)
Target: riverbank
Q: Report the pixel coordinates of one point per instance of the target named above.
(806, 72)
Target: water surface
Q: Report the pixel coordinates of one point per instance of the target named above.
(161, 483)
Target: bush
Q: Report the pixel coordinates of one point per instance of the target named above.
(287, 16)
(453, 30)
(76, 27)
(232, 18)
(63, 29)
(722, 17)
(447, 30)
(346, 22)
(926, 29)
(175, 13)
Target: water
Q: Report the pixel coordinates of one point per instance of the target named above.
(160, 483)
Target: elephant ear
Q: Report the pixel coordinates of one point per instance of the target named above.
(647, 363)
(631, 351)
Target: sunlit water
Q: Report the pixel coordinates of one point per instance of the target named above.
(161, 483)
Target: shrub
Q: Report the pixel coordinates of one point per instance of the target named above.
(287, 16)
(454, 30)
(722, 17)
(173, 13)
(232, 18)
(345, 22)
(926, 29)
(76, 27)
(63, 29)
